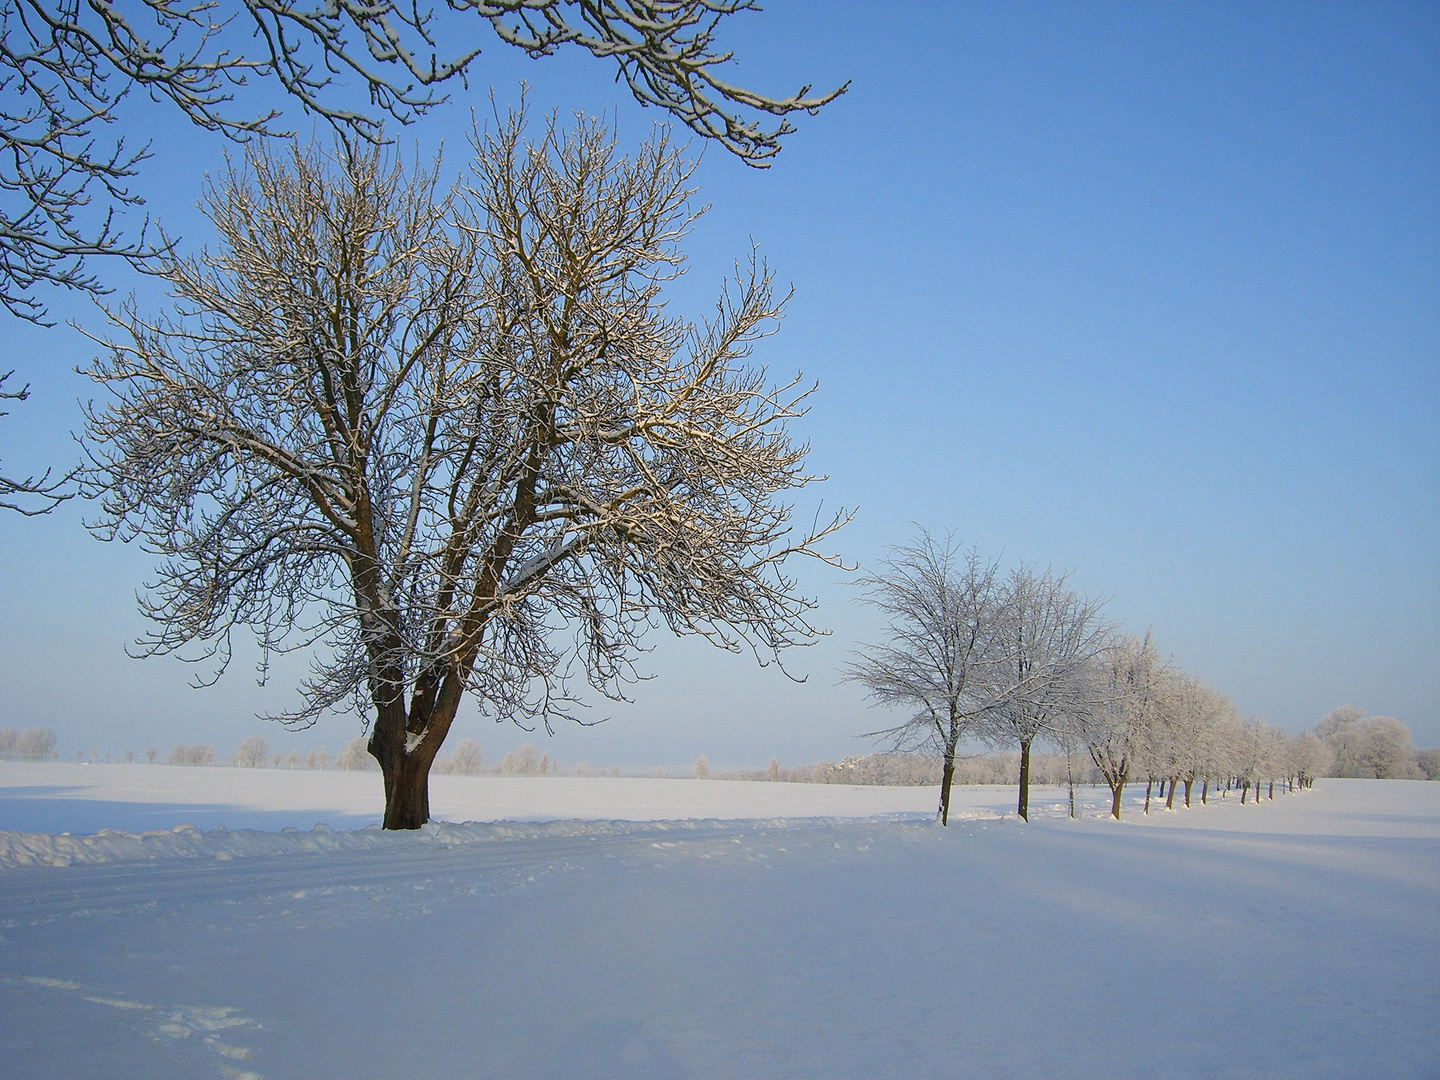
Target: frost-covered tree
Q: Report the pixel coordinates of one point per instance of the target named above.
(1339, 728)
(1377, 747)
(198, 754)
(355, 757)
(702, 768)
(33, 744)
(453, 442)
(250, 754)
(947, 656)
(1126, 699)
(1052, 635)
(1385, 751)
(1427, 761)
(467, 757)
(1310, 757)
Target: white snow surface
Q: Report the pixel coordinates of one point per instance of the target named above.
(668, 928)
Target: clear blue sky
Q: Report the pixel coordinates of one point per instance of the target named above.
(1151, 292)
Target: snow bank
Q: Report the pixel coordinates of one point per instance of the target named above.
(19, 849)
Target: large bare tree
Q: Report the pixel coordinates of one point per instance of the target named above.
(948, 653)
(434, 435)
(66, 66)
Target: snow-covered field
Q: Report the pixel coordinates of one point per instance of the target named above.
(669, 928)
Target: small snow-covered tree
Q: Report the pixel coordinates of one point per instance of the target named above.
(33, 744)
(1340, 730)
(702, 768)
(467, 758)
(198, 754)
(1052, 635)
(1385, 751)
(1428, 762)
(355, 757)
(527, 759)
(250, 754)
(946, 657)
(1126, 699)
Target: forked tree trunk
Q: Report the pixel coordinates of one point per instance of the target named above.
(1024, 807)
(946, 777)
(1116, 790)
(1189, 783)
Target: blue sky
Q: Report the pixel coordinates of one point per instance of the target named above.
(1149, 292)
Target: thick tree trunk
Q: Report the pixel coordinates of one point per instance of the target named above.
(1170, 795)
(1244, 792)
(1024, 806)
(1272, 790)
(1116, 790)
(945, 779)
(407, 792)
(1205, 793)
(1189, 783)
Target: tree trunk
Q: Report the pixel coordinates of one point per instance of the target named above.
(1170, 797)
(1149, 785)
(1205, 793)
(1070, 778)
(1272, 790)
(945, 779)
(1024, 807)
(1116, 790)
(1189, 783)
(407, 792)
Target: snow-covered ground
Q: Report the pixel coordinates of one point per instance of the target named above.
(667, 928)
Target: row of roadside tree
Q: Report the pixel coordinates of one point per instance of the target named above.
(1020, 660)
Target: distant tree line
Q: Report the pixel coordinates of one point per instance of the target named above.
(31, 744)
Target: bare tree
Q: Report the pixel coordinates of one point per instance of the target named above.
(948, 652)
(1053, 635)
(467, 758)
(428, 434)
(250, 754)
(1128, 682)
(1309, 757)
(66, 66)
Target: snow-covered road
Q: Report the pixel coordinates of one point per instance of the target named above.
(1296, 938)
